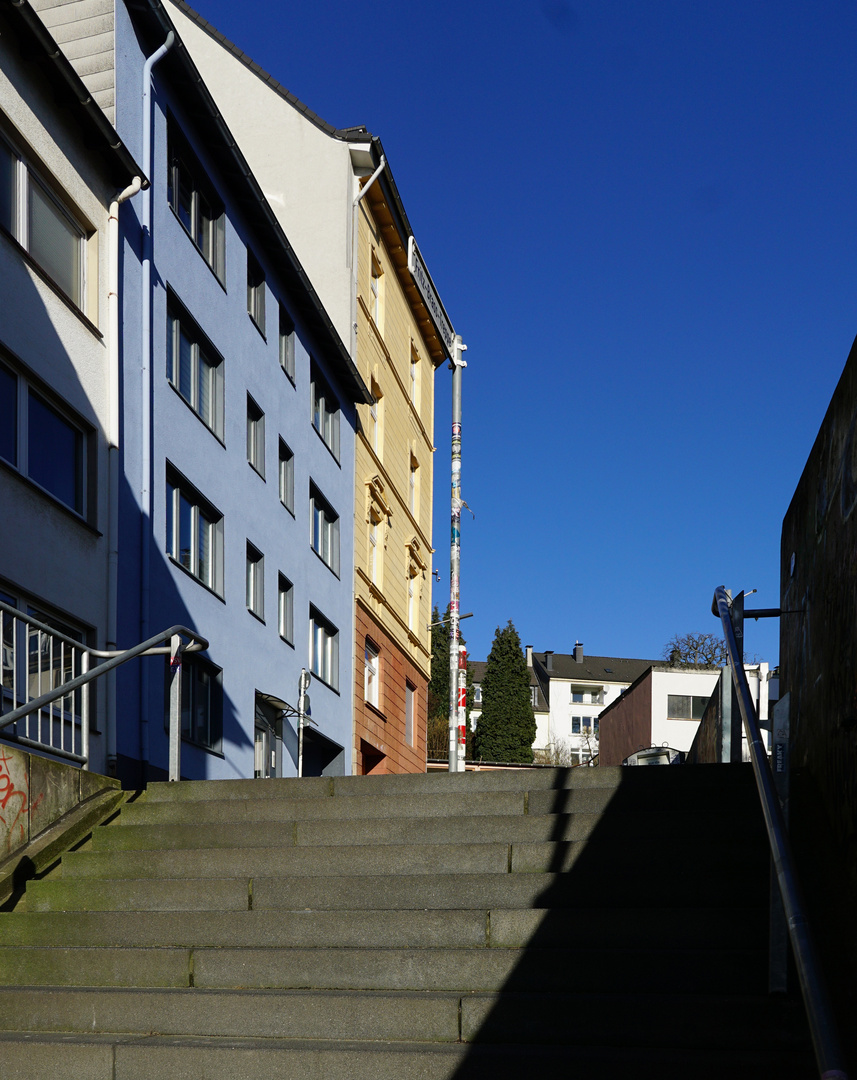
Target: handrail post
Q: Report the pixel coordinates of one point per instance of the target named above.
(175, 706)
(84, 712)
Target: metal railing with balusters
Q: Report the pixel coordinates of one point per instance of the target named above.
(45, 680)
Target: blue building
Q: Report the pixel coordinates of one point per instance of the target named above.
(236, 437)
(237, 504)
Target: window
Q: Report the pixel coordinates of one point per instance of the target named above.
(534, 696)
(371, 673)
(41, 224)
(324, 649)
(409, 713)
(413, 596)
(287, 344)
(202, 702)
(324, 526)
(414, 374)
(376, 291)
(256, 292)
(685, 706)
(413, 484)
(576, 724)
(477, 693)
(587, 697)
(194, 532)
(374, 560)
(287, 477)
(376, 418)
(194, 201)
(255, 436)
(285, 609)
(255, 581)
(41, 441)
(194, 368)
(325, 413)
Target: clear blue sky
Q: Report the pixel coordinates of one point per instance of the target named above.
(642, 219)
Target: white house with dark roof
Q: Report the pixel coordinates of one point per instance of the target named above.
(576, 689)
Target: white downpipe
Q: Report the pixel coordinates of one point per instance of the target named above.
(113, 455)
(146, 392)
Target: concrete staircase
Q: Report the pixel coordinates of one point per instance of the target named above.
(549, 923)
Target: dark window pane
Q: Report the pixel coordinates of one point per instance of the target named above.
(55, 453)
(8, 415)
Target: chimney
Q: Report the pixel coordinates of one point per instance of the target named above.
(529, 652)
(549, 660)
(578, 652)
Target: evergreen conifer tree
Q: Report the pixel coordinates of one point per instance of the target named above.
(507, 727)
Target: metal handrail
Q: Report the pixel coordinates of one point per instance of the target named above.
(114, 658)
(828, 1053)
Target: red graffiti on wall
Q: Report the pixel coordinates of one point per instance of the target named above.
(14, 805)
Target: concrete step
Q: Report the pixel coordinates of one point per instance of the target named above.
(648, 828)
(466, 970)
(609, 863)
(695, 781)
(361, 892)
(155, 1057)
(259, 802)
(475, 928)
(625, 1020)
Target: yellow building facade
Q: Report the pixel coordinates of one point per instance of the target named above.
(397, 353)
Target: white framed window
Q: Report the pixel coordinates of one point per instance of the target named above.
(194, 531)
(534, 696)
(256, 292)
(194, 367)
(255, 437)
(324, 649)
(255, 581)
(41, 223)
(371, 673)
(577, 723)
(287, 477)
(287, 344)
(477, 693)
(324, 529)
(410, 691)
(42, 441)
(325, 412)
(194, 201)
(285, 609)
(373, 550)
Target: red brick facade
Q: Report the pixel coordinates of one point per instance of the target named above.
(380, 745)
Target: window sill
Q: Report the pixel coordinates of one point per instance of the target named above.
(52, 285)
(252, 319)
(256, 616)
(326, 444)
(324, 563)
(257, 471)
(286, 641)
(54, 501)
(198, 249)
(191, 409)
(324, 682)
(375, 710)
(193, 577)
